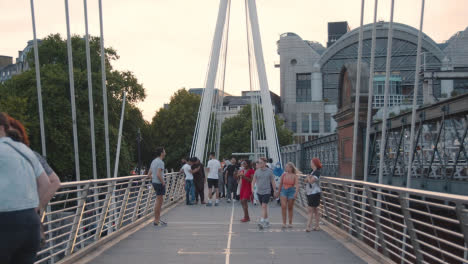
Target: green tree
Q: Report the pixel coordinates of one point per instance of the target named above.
(19, 99)
(235, 133)
(172, 127)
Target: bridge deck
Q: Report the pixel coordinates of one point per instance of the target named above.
(199, 234)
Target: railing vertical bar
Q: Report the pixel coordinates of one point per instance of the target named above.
(349, 191)
(124, 205)
(375, 217)
(462, 216)
(404, 204)
(77, 219)
(137, 206)
(337, 209)
(105, 210)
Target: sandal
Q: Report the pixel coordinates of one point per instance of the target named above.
(290, 226)
(316, 228)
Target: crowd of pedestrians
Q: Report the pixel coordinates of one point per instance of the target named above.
(244, 181)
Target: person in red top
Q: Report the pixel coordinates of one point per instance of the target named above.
(246, 188)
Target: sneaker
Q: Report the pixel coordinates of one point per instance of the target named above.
(162, 223)
(260, 225)
(228, 200)
(243, 220)
(266, 224)
(216, 203)
(209, 204)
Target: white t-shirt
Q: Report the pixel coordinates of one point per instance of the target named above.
(214, 165)
(187, 168)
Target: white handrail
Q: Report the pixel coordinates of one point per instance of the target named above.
(84, 212)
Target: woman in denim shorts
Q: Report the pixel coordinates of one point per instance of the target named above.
(288, 186)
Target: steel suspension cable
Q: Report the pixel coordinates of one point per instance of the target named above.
(90, 90)
(252, 100)
(104, 90)
(415, 95)
(387, 84)
(38, 81)
(218, 135)
(72, 93)
(370, 97)
(358, 93)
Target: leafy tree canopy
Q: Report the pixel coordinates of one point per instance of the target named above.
(235, 135)
(19, 99)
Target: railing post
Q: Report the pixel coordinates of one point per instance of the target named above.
(123, 207)
(337, 209)
(404, 203)
(350, 198)
(462, 216)
(375, 216)
(105, 210)
(138, 202)
(324, 204)
(150, 198)
(77, 219)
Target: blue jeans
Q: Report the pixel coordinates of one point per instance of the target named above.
(189, 191)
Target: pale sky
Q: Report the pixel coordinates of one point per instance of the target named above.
(166, 43)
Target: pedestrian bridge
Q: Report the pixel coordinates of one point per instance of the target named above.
(109, 221)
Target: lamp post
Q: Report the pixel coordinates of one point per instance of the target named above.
(139, 139)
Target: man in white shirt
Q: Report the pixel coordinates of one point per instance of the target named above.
(189, 187)
(214, 166)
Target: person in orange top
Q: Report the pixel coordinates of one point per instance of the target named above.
(288, 187)
(246, 188)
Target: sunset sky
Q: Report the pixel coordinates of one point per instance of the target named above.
(166, 43)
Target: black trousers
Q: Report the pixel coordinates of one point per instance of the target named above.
(199, 189)
(232, 188)
(20, 236)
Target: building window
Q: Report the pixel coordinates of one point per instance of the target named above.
(303, 87)
(315, 123)
(395, 96)
(294, 126)
(327, 123)
(305, 123)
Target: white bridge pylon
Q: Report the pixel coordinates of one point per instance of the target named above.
(204, 135)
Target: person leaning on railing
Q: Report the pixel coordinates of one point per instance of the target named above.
(17, 132)
(23, 188)
(313, 194)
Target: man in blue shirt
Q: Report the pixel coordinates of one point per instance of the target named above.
(156, 173)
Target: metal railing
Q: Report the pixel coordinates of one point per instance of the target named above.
(405, 225)
(84, 212)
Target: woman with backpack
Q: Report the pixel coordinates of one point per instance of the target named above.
(313, 194)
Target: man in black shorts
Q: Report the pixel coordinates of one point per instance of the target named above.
(214, 167)
(156, 173)
(264, 179)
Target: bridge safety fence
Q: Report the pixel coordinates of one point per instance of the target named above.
(405, 225)
(83, 213)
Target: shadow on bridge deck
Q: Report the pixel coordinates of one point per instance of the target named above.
(199, 234)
